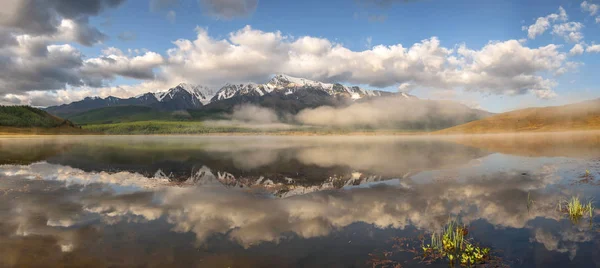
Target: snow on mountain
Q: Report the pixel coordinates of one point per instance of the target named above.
(231, 90)
(190, 96)
(281, 81)
(202, 93)
(288, 85)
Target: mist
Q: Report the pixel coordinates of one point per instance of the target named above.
(251, 116)
(379, 113)
(254, 114)
(391, 112)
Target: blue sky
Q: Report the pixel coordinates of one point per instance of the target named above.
(356, 25)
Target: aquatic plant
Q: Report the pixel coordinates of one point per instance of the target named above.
(452, 245)
(529, 201)
(576, 209)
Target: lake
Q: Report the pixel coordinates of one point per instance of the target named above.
(236, 201)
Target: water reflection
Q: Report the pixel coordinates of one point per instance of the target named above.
(250, 201)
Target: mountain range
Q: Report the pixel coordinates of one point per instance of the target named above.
(282, 93)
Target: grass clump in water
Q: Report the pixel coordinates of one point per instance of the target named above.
(530, 202)
(453, 245)
(576, 209)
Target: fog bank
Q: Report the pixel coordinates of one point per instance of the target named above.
(391, 112)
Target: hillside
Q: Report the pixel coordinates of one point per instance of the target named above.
(577, 116)
(120, 114)
(29, 120)
(25, 116)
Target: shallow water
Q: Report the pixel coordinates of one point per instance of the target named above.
(293, 201)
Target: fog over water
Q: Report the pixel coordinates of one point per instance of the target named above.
(291, 201)
(393, 112)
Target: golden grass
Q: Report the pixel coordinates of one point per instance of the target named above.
(578, 116)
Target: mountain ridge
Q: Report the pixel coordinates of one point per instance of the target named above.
(186, 96)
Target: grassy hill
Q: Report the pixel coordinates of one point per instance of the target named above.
(29, 120)
(121, 114)
(25, 116)
(578, 116)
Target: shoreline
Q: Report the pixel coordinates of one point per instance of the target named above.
(38, 133)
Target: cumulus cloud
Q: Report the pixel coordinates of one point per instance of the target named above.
(576, 50)
(33, 60)
(115, 62)
(229, 9)
(570, 31)
(593, 49)
(45, 17)
(543, 23)
(31, 64)
(505, 67)
(34, 65)
(590, 8)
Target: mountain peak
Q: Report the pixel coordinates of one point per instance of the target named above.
(284, 81)
(203, 93)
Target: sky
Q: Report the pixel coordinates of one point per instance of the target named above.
(493, 55)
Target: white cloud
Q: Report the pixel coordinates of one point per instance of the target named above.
(505, 67)
(406, 87)
(30, 63)
(570, 31)
(593, 49)
(114, 62)
(576, 50)
(543, 23)
(501, 67)
(591, 8)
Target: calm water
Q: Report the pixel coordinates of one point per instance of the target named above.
(293, 201)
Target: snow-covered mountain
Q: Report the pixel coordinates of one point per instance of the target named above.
(289, 85)
(200, 93)
(181, 97)
(281, 91)
(231, 90)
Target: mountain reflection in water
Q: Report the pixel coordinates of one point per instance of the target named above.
(288, 201)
